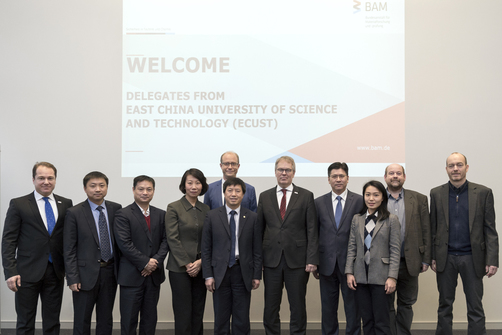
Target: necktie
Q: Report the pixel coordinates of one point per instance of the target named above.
(231, 259)
(368, 233)
(282, 209)
(338, 211)
(51, 219)
(104, 237)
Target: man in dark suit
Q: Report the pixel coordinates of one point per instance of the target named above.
(140, 233)
(335, 211)
(91, 256)
(229, 164)
(465, 242)
(32, 251)
(288, 218)
(412, 210)
(231, 259)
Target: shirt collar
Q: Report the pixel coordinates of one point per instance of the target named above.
(401, 194)
(289, 188)
(94, 206)
(343, 195)
(145, 213)
(228, 209)
(38, 196)
(375, 214)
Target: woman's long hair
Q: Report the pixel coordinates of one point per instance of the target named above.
(383, 212)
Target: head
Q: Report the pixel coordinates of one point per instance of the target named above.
(233, 191)
(338, 177)
(96, 186)
(456, 168)
(395, 177)
(143, 189)
(44, 178)
(193, 182)
(285, 170)
(229, 164)
(375, 199)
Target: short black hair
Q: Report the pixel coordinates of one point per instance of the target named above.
(95, 175)
(196, 173)
(338, 165)
(383, 212)
(141, 178)
(45, 164)
(234, 182)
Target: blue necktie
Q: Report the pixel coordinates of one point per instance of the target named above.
(104, 237)
(338, 211)
(51, 219)
(231, 260)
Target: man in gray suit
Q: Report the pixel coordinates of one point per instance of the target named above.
(465, 242)
(290, 247)
(412, 210)
(335, 211)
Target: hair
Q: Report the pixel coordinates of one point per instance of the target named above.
(95, 175)
(234, 182)
(45, 164)
(383, 212)
(141, 178)
(338, 165)
(287, 159)
(196, 173)
(456, 153)
(402, 167)
(229, 152)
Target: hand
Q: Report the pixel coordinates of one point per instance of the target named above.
(14, 282)
(425, 267)
(310, 268)
(351, 281)
(255, 284)
(193, 268)
(145, 272)
(490, 270)
(210, 285)
(151, 266)
(390, 285)
(316, 274)
(433, 265)
(75, 287)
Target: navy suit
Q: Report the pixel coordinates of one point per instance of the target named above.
(214, 195)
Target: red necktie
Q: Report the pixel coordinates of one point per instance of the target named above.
(282, 209)
(147, 218)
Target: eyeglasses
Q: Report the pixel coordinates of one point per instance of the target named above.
(287, 171)
(231, 164)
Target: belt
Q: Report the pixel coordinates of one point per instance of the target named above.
(103, 264)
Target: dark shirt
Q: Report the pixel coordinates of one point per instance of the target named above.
(459, 241)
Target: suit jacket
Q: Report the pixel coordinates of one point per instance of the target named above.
(333, 242)
(385, 251)
(296, 235)
(138, 244)
(417, 234)
(82, 253)
(213, 196)
(26, 243)
(216, 244)
(483, 235)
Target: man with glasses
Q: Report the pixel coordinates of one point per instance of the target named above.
(214, 197)
(288, 218)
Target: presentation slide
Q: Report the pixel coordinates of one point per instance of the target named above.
(320, 81)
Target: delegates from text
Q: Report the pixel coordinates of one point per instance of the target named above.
(287, 214)
(229, 164)
(32, 251)
(465, 242)
(373, 258)
(184, 221)
(231, 259)
(140, 233)
(335, 211)
(91, 256)
(412, 209)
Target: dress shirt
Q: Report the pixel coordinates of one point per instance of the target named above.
(41, 206)
(289, 191)
(145, 213)
(396, 207)
(335, 202)
(95, 214)
(222, 193)
(236, 218)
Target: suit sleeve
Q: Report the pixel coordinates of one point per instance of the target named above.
(394, 246)
(490, 233)
(172, 222)
(433, 222)
(70, 242)
(352, 247)
(425, 225)
(207, 248)
(207, 199)
(252, 200)
(11, 230)
(161, 254)
(124, 242)
(312, 233)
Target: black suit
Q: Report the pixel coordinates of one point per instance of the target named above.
(82, 259)
(232, 296)
(288, 246)
(333, 244)
(26, 235)
(137, 244)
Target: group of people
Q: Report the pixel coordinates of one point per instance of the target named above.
(371, 248)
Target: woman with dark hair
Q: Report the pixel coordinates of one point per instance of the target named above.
(184, 219)
(373, 258)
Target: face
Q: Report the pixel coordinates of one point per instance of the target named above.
(457, 169)
(284, 173)
(96, 190)
(193, 186)
(44, 181)
(229, 165)
(395, 177)
(143, 192)
(373, 198)
(233, 196)
(338, 180)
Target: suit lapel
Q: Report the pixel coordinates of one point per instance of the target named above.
(273, 202)
(242, 220)
(292, 201)
(328, 201)
(224, 219)
(59, 206)
(378, 225)
(87, 211)
(141, 219)
(36, 213)
(472, 193)
(445, 196)
(409, 203)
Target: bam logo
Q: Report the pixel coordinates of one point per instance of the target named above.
(369, 6)
(356, 6)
